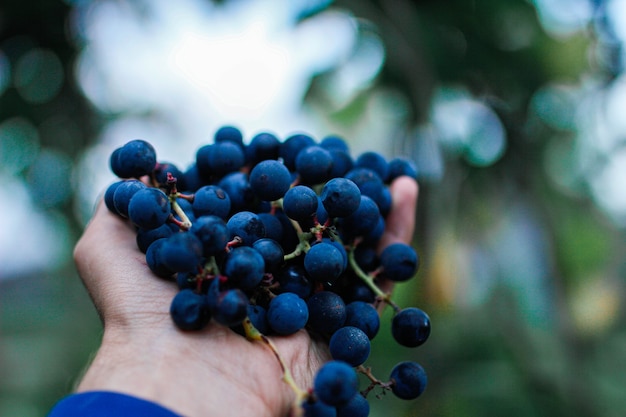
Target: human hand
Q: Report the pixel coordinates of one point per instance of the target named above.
(213, 371)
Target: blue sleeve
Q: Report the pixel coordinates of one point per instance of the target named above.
(107, 404)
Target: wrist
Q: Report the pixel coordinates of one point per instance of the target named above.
(149, 365)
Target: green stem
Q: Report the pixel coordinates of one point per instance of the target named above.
(368, 279)
(252, 333)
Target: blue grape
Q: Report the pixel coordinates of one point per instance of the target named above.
(244, 266)
(230, 307)
(272, 253)
(401, 166)
(212, 233)
(145, 237)
(163, 168)
(238, 188)
(133, 160)
(154, 259)
(123, 193)
(374, 161)
(149, 208)
(314, 164)
(287, 313)
(108, 196)
(189, 310)
(333, 142)
(340, 197)
(273, 226)
(270, 180)
(300, 203)
(350, 344)
(229, 134)
(324, 262)
(362, 221)
(342, 163)
(400, 262)
(181, 252)
(408, 380)
(258, 317)
(262, 146)
(410, 327)
(211, 200)
(290, 148)
(293, 278)
(357, 406)
(363, 316)
(327, 312)
(225, 157)
(318, 409)
(247, 226)
(335, 383)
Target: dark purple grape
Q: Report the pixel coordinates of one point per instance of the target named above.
(408, 380)
(262, 146)
(327, 312)
(340, 197)
(258, 318)
(350, 344)
(189, 310)
(410, 327)
(238, 188)
(287, 313)
(333, 142)
(244, 266)
(290, 148)
(342, 163)
(247, 226)
(108, 196)
(123, 193)
(225, 157)
(400, 166)
(324, 262)
(145, 237)
(363, 316)
(154, 260)
(314, 164)
(270, 180)
(300, 203)
(212, 233)
(358, 406)
(192, 180)
(335, 383)
(181, 252)
(149, 208)
(163, 168)
(230, 308)
(400, 262)
(272, 253)
(273, 226)
(133, 160)
(362, 221)
(211, 200)
(229, 134)
(374, 161)
(318, 409)
(293, 278)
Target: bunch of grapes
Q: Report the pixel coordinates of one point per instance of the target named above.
(272, 237)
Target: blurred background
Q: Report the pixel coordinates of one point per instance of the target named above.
(513, 110)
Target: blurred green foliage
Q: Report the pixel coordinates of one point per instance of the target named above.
(523, 279)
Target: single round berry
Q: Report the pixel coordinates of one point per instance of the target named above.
(399, 261)
(408, 380)
(410, 327)
(350, 344)
(287, 313)
(335, 383)
(270, 180)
